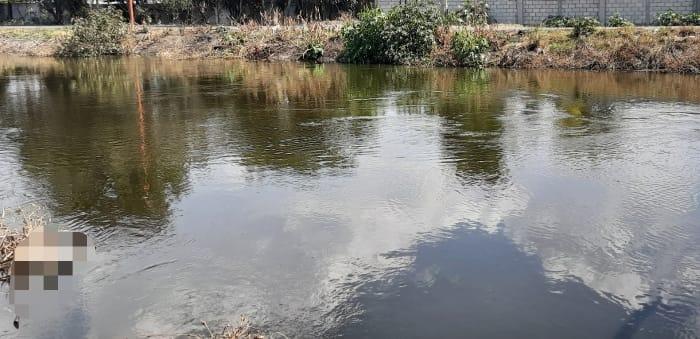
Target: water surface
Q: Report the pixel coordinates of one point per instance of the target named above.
(361, 201)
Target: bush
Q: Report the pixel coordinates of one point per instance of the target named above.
(313, 52)
(409, 32)
(692, 19)
(100, 32)
(363, 38)
(405, 34)
(616, 20)
(475, 12)
(670, 18)
(469, 48)
(557, 21)
(583, 27)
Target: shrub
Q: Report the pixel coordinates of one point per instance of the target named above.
(404, 35)
(100, 32)
(409, 31)
(692, 19)
(557, 21)
(475, 12)
(670, 18)
(469, 48)
(363, 38)
(583, 27)
(313, 52)
(616, 20)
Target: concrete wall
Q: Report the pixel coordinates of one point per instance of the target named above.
(532, 12)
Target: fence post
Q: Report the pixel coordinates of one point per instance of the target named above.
(647, 12)
(560, 7)
(603, 12)
(520, 4)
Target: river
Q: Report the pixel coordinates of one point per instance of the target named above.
(360, 201)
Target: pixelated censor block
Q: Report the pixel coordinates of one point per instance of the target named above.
(43, 264)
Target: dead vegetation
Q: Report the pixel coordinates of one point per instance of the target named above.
(663, 49)
(674, 50)
(244, 330)
(15, 226)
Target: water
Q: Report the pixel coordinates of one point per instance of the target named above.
(361, 201)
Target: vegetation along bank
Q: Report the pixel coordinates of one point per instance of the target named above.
(417, 33)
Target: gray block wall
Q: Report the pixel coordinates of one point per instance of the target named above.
(532, 12)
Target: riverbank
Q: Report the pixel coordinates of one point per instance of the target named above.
(663, 49)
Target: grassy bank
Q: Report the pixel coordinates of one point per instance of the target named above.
(664, 49)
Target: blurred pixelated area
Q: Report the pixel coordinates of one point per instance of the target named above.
(38, 261)
(47, 255)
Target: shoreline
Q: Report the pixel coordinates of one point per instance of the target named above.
(656, 49)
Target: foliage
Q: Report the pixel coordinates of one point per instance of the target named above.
(475, 12)
(583, 27)
(405, 34)
(557, 21)
(409, 32)
(616, 20)
(313, 52)
(469, 48)
(671, 18)
(101, 32)
(363, 38)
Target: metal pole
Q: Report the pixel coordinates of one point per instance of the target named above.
(603, 12)
(131, 15)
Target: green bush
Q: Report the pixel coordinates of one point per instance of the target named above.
(469, 48)
(363, 39)
(100, 32)
(670, 18)
(557, 21)
(405, 34)
(583, 27)
(692, 19)
(616, 20)
(409, 32)
(313, 52)
(475, 12)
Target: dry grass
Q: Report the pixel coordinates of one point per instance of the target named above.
(244, 330)
(15, 226)
(277, 38)
(674, 50)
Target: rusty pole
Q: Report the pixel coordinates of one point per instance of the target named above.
(131, 15)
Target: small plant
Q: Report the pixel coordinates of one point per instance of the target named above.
(313, 52)
(469, 48)
(557, 21)
(100, 32)
(475, 12)
(583, 27)
(670, 18)
(616, 20)
(230, 37)
(692, 19)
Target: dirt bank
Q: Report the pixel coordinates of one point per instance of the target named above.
(664, 49)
